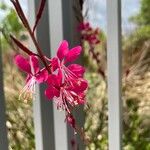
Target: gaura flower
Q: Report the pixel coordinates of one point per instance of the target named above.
(34, 74)
(84, 26)
(88, 33)
(68, 86)
(64, 55)
(66, 94)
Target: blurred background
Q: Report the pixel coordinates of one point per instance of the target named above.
(93, 30)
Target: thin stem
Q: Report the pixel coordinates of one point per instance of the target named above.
(81, 132)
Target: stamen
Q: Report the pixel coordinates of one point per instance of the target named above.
(29, 89)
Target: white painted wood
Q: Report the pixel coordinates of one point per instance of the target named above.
(114, 73)
(42, 108)
(56, 36)
(71, 34)
(63, 25)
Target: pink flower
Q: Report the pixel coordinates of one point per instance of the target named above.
(66, 93)
(66, 85)
(84, 26)
(67, 88)
(88, 33)
(77, 69)
(34, 74)
(72, 72)
(64, 56)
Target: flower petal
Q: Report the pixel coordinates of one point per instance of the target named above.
(59, 77)
(50, 92)
(83, 85)
(81, 99)
(35, 64)
(73, 54)
(22, 63)
(77, 69)
(55, 80)
(80, 86)
(62, 50)
(54, 63)
(51, 79)
(42, 76)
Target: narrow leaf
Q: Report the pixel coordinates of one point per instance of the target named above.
(22, 47)
(39, 13)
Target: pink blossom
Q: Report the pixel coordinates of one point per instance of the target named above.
(64, 56)
(88, 33)
(71, 72)
(34, 74)
(84, 26)
(77, 69)
(66, 85)
(66, 92)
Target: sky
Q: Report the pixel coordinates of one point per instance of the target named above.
(23, 4)
(97, 12)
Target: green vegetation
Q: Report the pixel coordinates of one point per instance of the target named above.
(142, 18)
(141, 34)
(10, 24)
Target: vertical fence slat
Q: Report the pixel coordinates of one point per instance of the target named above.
(42, 108)
(3, 130)
(114, 73)
(70, 33)
(56, 35)
(63, 25)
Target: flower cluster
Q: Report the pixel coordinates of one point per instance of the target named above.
(88, 33)
(92, 37)
(65, 83)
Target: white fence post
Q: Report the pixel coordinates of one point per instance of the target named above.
(42, 108)
(3, 130)
(63, 26)
(51, 131)
(71, 34)
(114, 73)
(56, 35)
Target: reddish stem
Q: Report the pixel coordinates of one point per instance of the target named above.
(27, 26)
